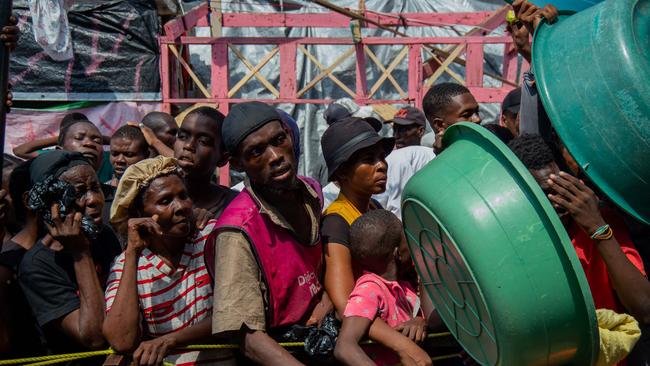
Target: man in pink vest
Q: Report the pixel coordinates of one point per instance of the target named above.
(268, 255)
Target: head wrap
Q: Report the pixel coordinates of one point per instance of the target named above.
(54, 163)
(48, 189)
(137, 177)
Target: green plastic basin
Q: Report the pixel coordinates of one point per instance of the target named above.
(494, 257)
(593, 75)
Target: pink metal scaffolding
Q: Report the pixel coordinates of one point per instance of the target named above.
(428, 58)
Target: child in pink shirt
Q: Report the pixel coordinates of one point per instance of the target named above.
(378, 246)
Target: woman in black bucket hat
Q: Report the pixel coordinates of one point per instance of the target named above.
(355, 155)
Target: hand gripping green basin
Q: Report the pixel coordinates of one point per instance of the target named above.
(494, 257)
(593, 75)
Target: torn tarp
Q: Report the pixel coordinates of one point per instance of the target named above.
(116, 54)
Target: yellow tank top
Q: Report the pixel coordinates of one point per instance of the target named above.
(344, 208)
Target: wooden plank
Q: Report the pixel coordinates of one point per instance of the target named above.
(444, 67)
(219, 71)
(381, 67)
(254, 71)
(326, 72)
(288, 69)
(189, 70)
(474, 66)
(116, 360)
(176, 27)
(215, 18)
(415, 75)
(510, 62)
(336, 20)
(398, 58)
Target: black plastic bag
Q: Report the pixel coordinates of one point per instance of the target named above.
(318, 341)
(52, 190)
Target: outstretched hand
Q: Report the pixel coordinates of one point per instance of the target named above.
(530, 14)
(149, 136)
(577, 199)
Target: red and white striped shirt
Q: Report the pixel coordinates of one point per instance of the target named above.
(171, 300)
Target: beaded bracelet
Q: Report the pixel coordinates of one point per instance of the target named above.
(603, 233)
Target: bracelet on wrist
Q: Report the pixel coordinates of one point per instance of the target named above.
(603, 233)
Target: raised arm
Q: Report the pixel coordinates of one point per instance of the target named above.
(29, 149)
(122, 327)
(153, 141)
(632, 287)
(83, 324)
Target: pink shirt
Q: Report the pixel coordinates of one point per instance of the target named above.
(393, 301)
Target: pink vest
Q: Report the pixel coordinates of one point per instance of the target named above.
(290, 270)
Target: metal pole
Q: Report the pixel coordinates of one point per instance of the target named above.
(5, 13)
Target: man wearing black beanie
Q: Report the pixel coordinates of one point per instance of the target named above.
(268, 255)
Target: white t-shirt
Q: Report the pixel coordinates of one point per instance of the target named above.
(330, 193)
(402, 165)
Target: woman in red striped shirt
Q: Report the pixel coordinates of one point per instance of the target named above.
(159, 293)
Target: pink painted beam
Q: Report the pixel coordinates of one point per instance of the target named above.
(474, 65)
(361, 77)
(336, 20)
(178, 26)
(343, 41)
(489, 95)
(219, 72)
(415, 74)
(288, 85)
(510, 62)
(165, 72)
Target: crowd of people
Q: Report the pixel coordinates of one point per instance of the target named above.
(156, 255)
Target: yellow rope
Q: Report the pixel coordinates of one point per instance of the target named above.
(53, 359)
(52, 362)
(57, 357)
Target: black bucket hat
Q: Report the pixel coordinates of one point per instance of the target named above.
(342, 139)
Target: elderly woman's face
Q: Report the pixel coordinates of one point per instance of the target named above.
(167, 197)
(90, 198)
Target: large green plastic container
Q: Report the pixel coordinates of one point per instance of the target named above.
(593, 74)
(494, 257)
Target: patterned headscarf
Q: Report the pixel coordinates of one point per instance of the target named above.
(136, 178)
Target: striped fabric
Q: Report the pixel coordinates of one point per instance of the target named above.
(171, 300)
